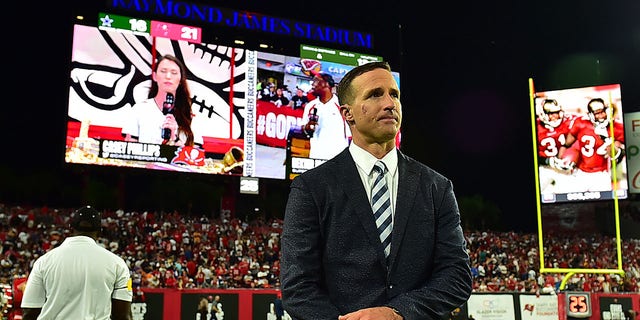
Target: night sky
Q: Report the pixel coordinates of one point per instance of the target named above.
(464, 78)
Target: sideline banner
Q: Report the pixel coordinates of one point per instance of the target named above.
(491, 307)
(538, 307)
(632, 137)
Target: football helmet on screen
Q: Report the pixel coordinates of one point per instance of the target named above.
(595, 107)
(551, 106)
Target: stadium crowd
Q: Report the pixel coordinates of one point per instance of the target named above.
(170, 250)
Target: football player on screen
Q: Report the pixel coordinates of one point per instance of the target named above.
(553, 125)
(593, 143)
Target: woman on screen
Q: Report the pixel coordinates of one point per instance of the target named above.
(165, 117)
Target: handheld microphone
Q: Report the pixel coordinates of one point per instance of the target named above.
(313, 116)
(310, 127)
(167, 108)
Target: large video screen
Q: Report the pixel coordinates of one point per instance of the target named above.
(239, 127)
(580, 144)
(283, 148)
(111, 71)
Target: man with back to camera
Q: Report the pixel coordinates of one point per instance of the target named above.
(337, 261)
(79, 279)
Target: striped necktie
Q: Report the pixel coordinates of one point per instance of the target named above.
(381, 205)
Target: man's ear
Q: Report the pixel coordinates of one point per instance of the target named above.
(345, 110)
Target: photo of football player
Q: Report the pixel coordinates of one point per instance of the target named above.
(553, 125)
(593, 143)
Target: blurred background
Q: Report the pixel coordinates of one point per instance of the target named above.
(464, 70)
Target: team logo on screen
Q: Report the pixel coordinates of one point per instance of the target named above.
(310, 67)
(189, 155)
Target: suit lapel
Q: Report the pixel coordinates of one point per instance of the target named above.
(408, 181)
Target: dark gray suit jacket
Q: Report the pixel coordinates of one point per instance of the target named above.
(332, 261)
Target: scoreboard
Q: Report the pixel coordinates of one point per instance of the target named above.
(153, 28)
(578, 305)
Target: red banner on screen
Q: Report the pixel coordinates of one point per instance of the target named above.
(273, 123)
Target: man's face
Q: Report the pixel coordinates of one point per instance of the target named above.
(318, 85)
(599, 111)
(554, 115)
(376, 109)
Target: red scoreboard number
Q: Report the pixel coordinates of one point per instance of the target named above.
(578, 304)
(176, 31)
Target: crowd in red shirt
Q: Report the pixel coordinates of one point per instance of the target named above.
(170, 250)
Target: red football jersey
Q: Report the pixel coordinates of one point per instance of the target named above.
(590, 150)
(550, 139)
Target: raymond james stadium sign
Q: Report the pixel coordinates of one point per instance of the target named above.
(246, 20)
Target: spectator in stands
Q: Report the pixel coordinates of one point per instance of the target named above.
(279, 99)
(299, 100)
(139, 234)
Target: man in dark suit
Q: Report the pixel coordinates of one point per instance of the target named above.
(333, 264)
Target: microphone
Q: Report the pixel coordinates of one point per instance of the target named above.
(313, 116)
(310, 127)
(167, 108)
